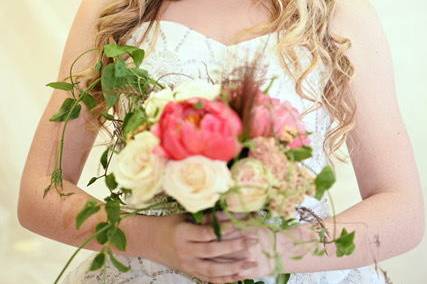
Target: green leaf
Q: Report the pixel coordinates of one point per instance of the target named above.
(198, 217)
(102, 237)
(110, 83)
(114, 50)
(137, 56)
(134, 121)
(117, 264)
(120, 69)
(283, 278)
(61, 86)
(117, 238)
(69, 109)
(110, 181)
(98, 262)
(288, 224)
(92, 181)
(104, 158)
(299, 154)
(113, 210)
(345, 243)
(324, 181)
(90, 208)
(88, 100)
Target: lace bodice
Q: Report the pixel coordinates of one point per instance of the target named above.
(180, 53)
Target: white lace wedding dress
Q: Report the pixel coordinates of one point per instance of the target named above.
(184, 53)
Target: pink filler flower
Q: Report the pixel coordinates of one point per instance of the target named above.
(272, 117)
(199, 127)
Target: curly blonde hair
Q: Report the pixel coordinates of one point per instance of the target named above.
(307, 24)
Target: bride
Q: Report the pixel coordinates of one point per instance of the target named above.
(329, 52)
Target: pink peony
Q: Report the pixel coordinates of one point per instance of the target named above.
(199, 127)
(272, 117)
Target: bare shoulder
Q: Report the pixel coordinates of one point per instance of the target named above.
(354, 17)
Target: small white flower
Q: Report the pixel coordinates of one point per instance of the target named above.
(137, 168)
(156, 102)
(197, 89)
(196, 182)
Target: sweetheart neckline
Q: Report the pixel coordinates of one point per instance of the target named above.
(209, 38)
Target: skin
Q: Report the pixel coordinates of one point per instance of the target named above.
(389, 179)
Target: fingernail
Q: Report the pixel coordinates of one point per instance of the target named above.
(249, 264)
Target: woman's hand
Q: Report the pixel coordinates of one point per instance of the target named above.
(194, 250)
(264, 254)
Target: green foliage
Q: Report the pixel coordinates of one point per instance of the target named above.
(64, 86)
(283, 278)
(216, 226)
(114, 51)
(345, 243)
(117, 264)
(89, 209)
(69, 110)
(198, 217)
(98, 261)
(102, 233)
(88, 100)
(110, 181)
(113, 210)
(133, 121)
(104, 158)
(288, 224)
(324, 181)
(92, 181)
(299, 154)
(55, 181)
(117, 238)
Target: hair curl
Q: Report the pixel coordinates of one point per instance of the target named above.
(298, 23)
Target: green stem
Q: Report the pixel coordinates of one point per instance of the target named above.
(334, 218)
(61, 142)
(83, 245)
(74, 64)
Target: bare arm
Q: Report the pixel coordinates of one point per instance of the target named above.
(389, 221)
(167, 240)
(54, 217)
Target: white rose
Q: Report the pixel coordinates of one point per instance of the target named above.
(252, 181)
(156, 102)
(197, 89)
(137, 168)
(196, 182)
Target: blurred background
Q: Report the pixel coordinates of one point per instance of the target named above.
(33, 34)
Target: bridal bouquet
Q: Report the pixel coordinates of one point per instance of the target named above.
(203, 147)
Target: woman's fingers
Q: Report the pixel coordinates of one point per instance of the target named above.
(210, 269)
(205, 233)
(221, 280)
(226, 247)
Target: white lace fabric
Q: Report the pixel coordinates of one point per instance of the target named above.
(181, 53)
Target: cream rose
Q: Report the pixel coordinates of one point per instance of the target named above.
(196, 182)
(197, 89)
(156, 102)
(137, 168)
(252, 181)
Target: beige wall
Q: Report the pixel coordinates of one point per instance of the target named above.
(32, 36)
